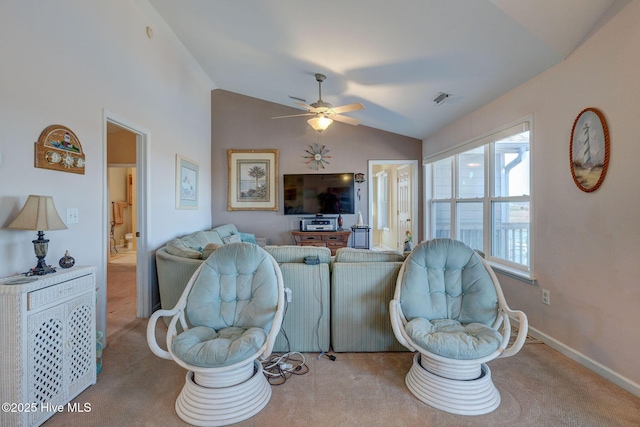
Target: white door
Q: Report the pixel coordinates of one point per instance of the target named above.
(404, 205)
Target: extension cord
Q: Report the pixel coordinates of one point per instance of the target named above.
(285, 366)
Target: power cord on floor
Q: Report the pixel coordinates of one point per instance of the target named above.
(278, 368)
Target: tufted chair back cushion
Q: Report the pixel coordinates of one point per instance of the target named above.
(445, 279)
(237, 287)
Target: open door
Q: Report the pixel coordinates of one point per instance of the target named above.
(405, 210)
(400, 205)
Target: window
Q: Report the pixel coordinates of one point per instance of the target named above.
(480, 194)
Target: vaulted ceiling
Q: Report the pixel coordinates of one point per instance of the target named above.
(392, 56)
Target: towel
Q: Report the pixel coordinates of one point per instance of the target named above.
(118, 208)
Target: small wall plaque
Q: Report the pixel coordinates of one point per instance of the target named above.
(58, 148)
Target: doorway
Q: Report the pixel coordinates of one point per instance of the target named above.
(393, 203)
(134, 167)
(121, 255)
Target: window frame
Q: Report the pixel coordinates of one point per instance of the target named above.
(513, 269)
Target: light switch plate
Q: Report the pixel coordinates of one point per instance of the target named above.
(72, 216)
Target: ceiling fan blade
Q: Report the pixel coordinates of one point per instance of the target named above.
(349, 107)
(306, 106)
(294, 115)
(345, 119)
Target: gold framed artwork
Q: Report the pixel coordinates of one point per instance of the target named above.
(58, 148)
(187, 183)
(253, 180)
(589, 149)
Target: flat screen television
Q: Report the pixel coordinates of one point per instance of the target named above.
(319, 193)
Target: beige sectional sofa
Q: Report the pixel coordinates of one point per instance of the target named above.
(340, 303)
(362, 284)
(306, 321)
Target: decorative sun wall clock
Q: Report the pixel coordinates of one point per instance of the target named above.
(317, 156)
(58, 148)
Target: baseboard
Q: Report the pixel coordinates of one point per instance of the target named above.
(592, 365)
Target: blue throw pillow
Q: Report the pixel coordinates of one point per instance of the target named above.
(248, 237)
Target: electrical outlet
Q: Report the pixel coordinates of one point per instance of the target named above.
(72, 216)
(546, 297)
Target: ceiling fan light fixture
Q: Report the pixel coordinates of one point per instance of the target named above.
(320, 122)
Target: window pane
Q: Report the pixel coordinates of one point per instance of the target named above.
(470, 229)
(512, 166)
(442, 219)
(510, 228)
(471, 173)
(442, 179)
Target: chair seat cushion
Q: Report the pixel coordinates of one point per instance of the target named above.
(450, 338)
(206, 347)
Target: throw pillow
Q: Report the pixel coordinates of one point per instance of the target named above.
(248, 237)
(209, 249)
(234, 238)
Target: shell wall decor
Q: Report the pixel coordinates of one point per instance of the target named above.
(58, 148)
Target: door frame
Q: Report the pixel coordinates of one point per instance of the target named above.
(414, 189)
(143, 262)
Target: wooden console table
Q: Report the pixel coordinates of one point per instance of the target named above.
(330, 239)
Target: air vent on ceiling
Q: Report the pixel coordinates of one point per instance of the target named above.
(441, 97)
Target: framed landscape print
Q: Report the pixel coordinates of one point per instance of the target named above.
(253, 180)
(187, 183)
(589, 149)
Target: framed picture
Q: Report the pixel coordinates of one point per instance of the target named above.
(58, 148)
(589, 149)
(187, 183)
(253, 180)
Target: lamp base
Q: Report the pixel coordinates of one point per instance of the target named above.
(40, 247)
(40, 270)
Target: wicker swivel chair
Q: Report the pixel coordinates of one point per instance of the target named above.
(449, 308)
(231, 312)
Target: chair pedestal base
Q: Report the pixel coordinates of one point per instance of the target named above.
(203, 406)
(469, 397)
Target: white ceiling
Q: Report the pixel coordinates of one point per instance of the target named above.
(392, 56)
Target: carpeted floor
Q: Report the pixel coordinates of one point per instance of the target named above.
(539, 387)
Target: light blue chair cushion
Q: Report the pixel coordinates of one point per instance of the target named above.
(203, 346)
(446, 285)
(450, 338)
(232, 302)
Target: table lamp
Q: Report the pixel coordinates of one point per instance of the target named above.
(39, 214)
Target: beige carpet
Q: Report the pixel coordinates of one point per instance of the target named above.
(539, 387)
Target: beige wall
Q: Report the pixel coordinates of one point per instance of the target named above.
(241, 122)
(586, 249)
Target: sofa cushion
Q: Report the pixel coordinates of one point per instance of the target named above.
(225, 230)
(248, 237)
(295, 254)
(209, 249)
(192, 245)
(366, 255)
(232, 238)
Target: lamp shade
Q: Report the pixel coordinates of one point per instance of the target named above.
(39, 214)
(320, 122)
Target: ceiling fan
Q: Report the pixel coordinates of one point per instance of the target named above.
(323, 112)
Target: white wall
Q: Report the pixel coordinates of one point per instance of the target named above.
(64, 62)
(586, 244)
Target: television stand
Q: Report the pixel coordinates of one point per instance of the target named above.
(333, 240)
